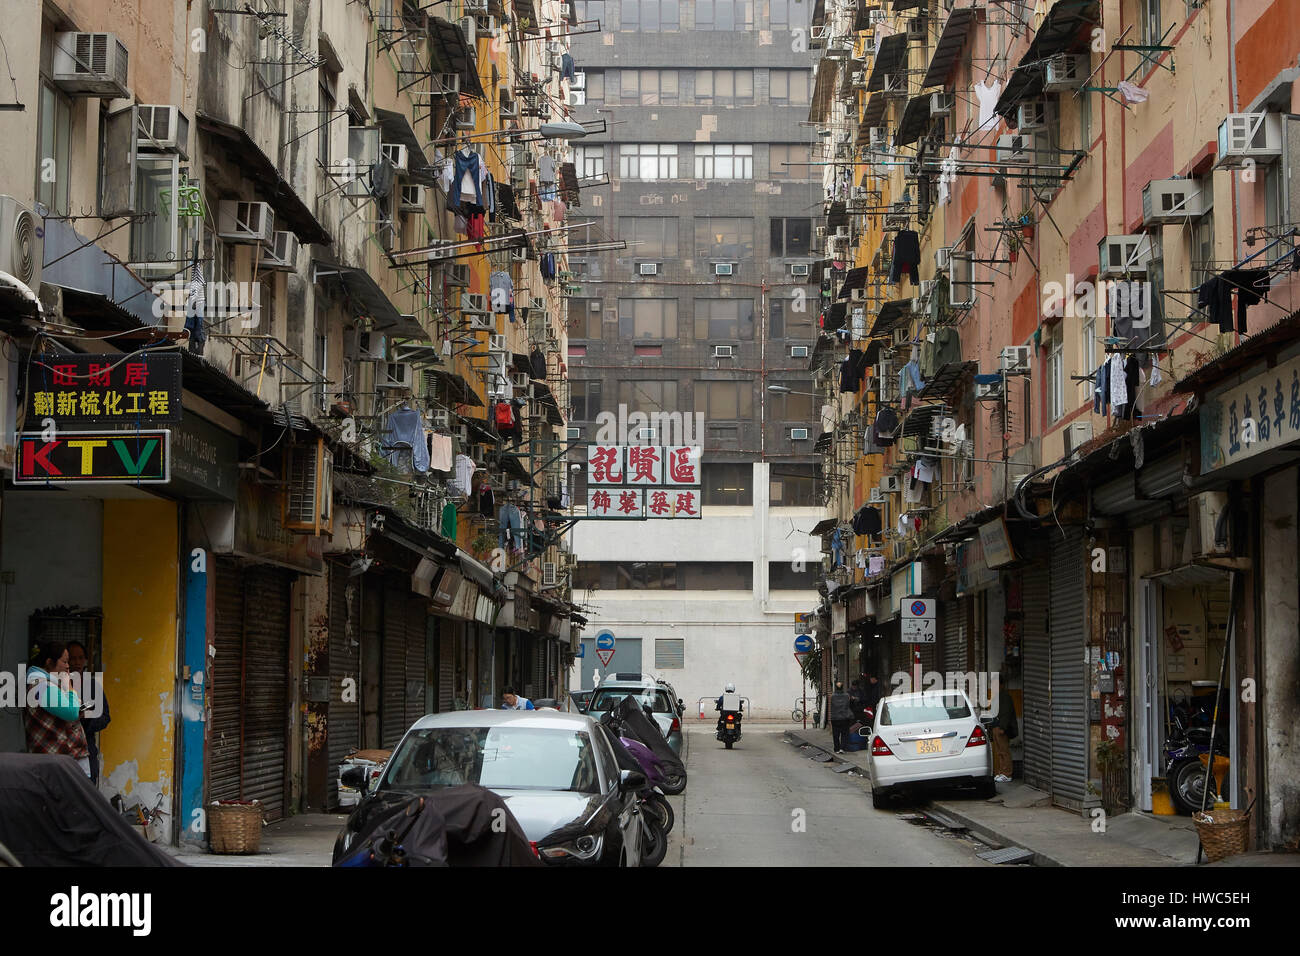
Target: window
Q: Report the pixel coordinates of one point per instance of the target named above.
(717, 575)
(648, 87)
(589, 161)
(725, 401)
(1203, 243)
(584, 322)
(162, 236)
(724, 161)
(779, 14)
(1055, 375)
(647, 161)
(794, 486)
(650, 16)
(781, 576)
(727, 484)
(648, 396)
(789, 87)
(647, 318)
(725, 320)
(670, 653)
(791, 237)
(649, 237)
(55, 136)
(789, 161)
(269, 61)
(591, 10)
(325, 106)
(1149, 23)
(595, 87)
(790, 319)
(658, 576)
(791, 408)
(1088, 339)
(1085, 121)
(584, 398)
(724, 14)
(724, 87)
(646, 576)
(724, 238)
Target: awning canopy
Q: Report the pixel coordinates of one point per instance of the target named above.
(834, 316)
(512, 465)
(947, 378)
(273, 188)
(459, 390)
(360, 291)
(568, 187)
(918, 419)
(916, 117)
(546, 398)
(396, 128)
(456, 55)
(873, 114)
(873, 350)
(892, 55)
(856, 279)
(1066, 28)
(826, 524)
(1263, 342)
(837, 216)
(891, 314)
(949, 47)
(823, 91)
(476, 571)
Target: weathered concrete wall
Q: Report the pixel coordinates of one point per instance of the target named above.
(1280, 679)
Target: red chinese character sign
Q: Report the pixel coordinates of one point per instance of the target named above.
(615, 503)
(113, 389)
(643, 481)
(683, 464)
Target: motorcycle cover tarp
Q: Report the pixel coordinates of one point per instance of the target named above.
(454, 828)
(640, 727)
(622, 756)
(51, 815)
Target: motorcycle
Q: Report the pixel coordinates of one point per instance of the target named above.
(729, 727)
(653, 797)
(632, 721)
(656, 814)
(1187, 754)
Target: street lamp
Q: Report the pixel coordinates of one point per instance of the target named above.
(783, 390)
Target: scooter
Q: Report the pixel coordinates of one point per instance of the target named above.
(1186, 757)
(653, 799)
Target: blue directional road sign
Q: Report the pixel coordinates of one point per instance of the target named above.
(803, 644)
(605, 641)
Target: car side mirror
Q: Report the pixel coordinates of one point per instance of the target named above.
(354, 777)
(631, 780)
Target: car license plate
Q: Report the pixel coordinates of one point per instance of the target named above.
(929, 746)
(731, 726)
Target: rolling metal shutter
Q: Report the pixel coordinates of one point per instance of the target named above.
(393, 666)
(417, 631)
(1036, 669)
(344, 727)
(226, 679)
(954, 636)
(1069, 672)
(446, 665)
(266, 684)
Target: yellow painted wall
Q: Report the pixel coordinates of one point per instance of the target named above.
(140, 579)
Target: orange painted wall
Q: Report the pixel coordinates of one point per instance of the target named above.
(1267, 48)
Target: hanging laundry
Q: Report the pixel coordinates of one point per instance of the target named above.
(1101, 390)
(987, 96)
(860, 559)
(537, 364)
(566, 67)
(1118, 383)
(852, 370)
(907, 256)
(466, 179)
(449, 521)
(1131, 92)
(876, 564)
(925, 469)
(464, 475)
(545, 170)
(837, 548)
(510, 524)
(859, 323)
(866, 520)
(476, 227)
(1129, 411)
(1156, 377)
(547, 264)
(486, 505)
(1251, 285)
(911, 490)
(404, 432)
(886, 427)
(910, 373)
(502, 290)
(440, 457)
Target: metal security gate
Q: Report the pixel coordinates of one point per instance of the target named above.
(954, 636)
(417, 673)
(250, 679)
(392, 686)
(447, 633)
(1069, 672)
(1036, 669)
(344, 725)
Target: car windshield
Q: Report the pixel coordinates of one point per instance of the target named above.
(915, 710)
(507, 758)
(611, 696)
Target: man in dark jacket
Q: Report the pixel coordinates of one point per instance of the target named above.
(841, 716)
(872, 692)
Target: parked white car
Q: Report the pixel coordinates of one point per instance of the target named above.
(933, 737)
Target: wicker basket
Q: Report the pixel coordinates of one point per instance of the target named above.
(1224, 833)
(235, 826)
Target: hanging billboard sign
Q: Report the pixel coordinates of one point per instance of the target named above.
(643, 481)
(137, 458)
(101, 390)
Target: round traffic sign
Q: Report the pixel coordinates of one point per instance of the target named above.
(918, 608)
(803, 644)
(605, 640)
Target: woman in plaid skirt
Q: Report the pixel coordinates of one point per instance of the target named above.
(53, 714)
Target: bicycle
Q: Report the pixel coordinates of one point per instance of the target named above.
(801, 708)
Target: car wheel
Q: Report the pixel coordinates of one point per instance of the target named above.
(880, 798)
(986, 789)
(674, 782)
(654, 843)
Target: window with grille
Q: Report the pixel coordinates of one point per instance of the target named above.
(589, 161)
(791, 237)
(727, 483)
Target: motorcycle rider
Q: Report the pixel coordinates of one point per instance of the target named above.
(729, 689)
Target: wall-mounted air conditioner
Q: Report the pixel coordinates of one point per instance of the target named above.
(281, 253)
(1031, 116)
(1013, 148)
(441, 249)
(466, 117)
(1014, 358)
(473, 303)
(722, 351)
(579, 81)
(1245, 136)
(799, 351)
(942, 258)
(573, 433)
(469, 27)
(895, 84)
(798, 434)
(646, 434)
(821, 232)
(519, 380)
(878, 137)
(889, 484)
(1067, 71)
(916, 28)
(648, 268)
(372, 346)
(396, 154)
(1076, 434)
(858, 295)
(497, 343)
(942, 104)
(163, 129)
(446, 84)
(441, 418)
(457, 275)
(239, 221)
(1171, 201)
(22, 248)
(549, 575)
(1123, 255)
(90, 64)
(798, 268)
(987, 391)
(877, 497)
(307, 505)
(412, 199)
(1210, 536)
(394, 375)
(961, 267)
(724, 268)
(476, 6)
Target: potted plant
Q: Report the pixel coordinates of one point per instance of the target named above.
(1026, 221)
(1013, 247)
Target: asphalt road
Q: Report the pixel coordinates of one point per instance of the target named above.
(765, 804)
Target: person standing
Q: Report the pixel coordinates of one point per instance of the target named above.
(1005, 729)
(872, 691)
(514, 702)
(52, 719)
(841, 716)
(91, 723)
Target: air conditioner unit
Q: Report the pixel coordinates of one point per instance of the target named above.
(412, 199)
(549, 576)
(942, 258)
(497, 343)
(476, 6)
(473, 303)
(858, 295)
(646, 434)
(394, 375)
(1013, 148)
(722, 351)
(877, 497)
(519, 379)
(239, 221)
(308, 502)
(1031, 116)
(985, 391)
(798, 351)
(1171, 201)
(895, 84)
(900, 337)
(1123, 255)
(441, 249)
(579, 81)
(1249, 136)
(486, 26)
(564, 11)
(281, 254)
(469, 27)
(90, 64)
(442, 418)
(372, 346)
(941, 104)
(1204, 512)
(509, 110)
(927, 288)
(724, 268)
(1066, 71)
(458, 275)
(21, 243)
(162, 129)
(466, 117)
(858, 79)
(1015, 358)
(889, 484)
(842, 232)
(878, 137)
(820, 32)
(446, 84)
(648, 268)
(798, 434)
(798, 268)
(821, 232)
(1076, 434)
(396, 154)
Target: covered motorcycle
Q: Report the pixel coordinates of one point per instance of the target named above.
(634, 723)
(52, 815)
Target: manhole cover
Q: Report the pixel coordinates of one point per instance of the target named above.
(1010, 854)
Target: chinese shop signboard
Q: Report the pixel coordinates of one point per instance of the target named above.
(1258, 415)
(102, 390)
(643, 481)
(142, 457)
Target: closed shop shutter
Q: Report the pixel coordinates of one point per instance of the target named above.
(417, 630)
(1036, 657)
(954, 637)
(345, 664)
(266, 683)
(226, 679)
(537, 648)
(393, 666)
(446, 664)
(1069, 672)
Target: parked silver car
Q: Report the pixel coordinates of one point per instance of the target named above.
(658, 694)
